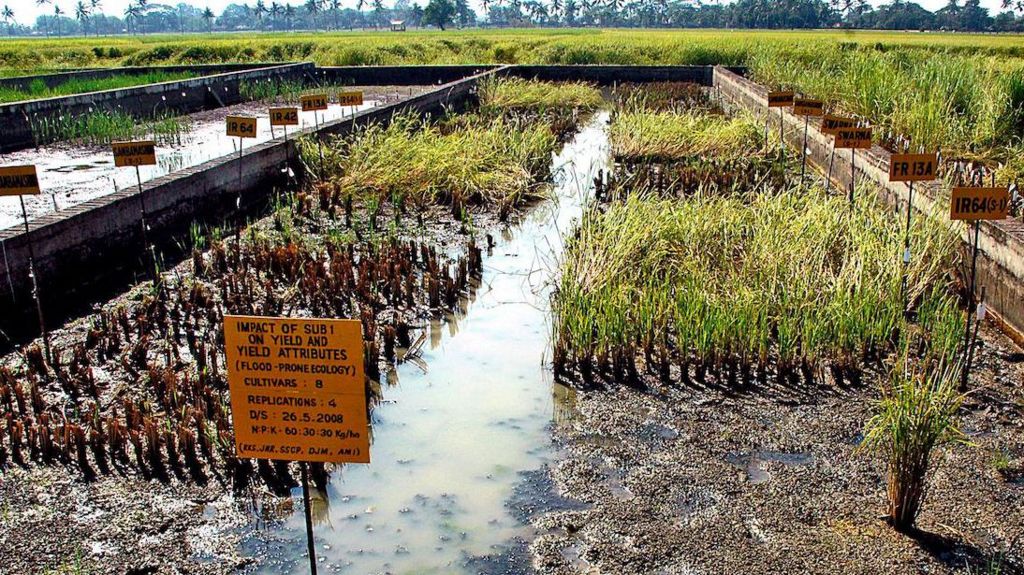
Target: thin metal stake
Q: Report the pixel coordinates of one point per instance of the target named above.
(309, 518)
(906, 244)
(831, 160)
(970, 302)
(7, 267)
(853, 173)
(803, 152)
(35, 283)
(142, 221)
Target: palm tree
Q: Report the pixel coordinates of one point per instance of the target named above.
(289, 13)
(313, 8)
(275, 13)
(8, 16)
(260, 10)
(335, 6)
(82, 15)
(556, 8)
(57, 13)
(131, 16)
(208, 16)
(42, 3)
(378, 12)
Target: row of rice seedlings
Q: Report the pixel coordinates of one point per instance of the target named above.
(558, 104)
(639, 135)
(277, 90)
(664, 96)
(412, 163)
(102, 127)
(689, 176)
(38, 89)
(791, 280)
(142, 387)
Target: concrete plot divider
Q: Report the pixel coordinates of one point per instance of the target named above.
(89, 252)
(143, 102)
(1001, 244)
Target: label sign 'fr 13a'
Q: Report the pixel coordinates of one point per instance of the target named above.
(912, 167)
(979, 203)
(19, 181)
(141, 153)
(780, 99)
(298, 391)
(313, 102)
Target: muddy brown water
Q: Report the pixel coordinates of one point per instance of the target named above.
(71, 173)
(461, 437)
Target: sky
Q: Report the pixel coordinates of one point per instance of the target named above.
(25, 11)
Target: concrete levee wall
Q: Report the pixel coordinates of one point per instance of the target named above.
(177, 97)
(56, 78)
(396, 75)
(1001, 243)
(609, 75)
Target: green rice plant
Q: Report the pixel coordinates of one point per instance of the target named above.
(663, 96)
(103, 127)
(37, 89)
(916, 414)
(645, 136)
(730, 282)
(516, 94)
(412, 163)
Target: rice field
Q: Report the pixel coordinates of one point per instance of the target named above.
(38, 90)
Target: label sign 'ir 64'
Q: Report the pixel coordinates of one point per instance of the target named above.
(19, 181)
(241, 127)
(297, 387)
(912, 167)
(353, 98)
(979, 203)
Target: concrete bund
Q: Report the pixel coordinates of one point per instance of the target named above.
(89, 252)
(178, 97)
(1001, 243)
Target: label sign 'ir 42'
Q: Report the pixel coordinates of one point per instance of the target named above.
(19, 181)
(780, 99)
(297, 388)
(142, 153)
(912, 167)
(241, 127)
(284, 116)
(979, 203)
(313, 102)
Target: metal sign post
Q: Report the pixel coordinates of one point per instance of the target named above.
(135, 154)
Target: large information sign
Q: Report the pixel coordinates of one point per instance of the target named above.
(297, 388)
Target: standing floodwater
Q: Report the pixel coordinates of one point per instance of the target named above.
(449, 444)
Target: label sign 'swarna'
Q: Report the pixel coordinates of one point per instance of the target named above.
(780, 99)
(313, 102)
(297, 387)
(284, 116)
(808, 107)
(979, 203)
(856, 138)
(18, 181)
(912, 167)
(142, 153)
(241, 127)
(353, 98)
(831, 123)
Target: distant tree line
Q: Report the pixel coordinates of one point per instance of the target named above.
(86, 17)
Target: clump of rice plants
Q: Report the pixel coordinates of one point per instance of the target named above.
(790, 281)
(664, 96)
(558, 104)
(916, 414)
(640, 135)
(496, 162)
(103, 127)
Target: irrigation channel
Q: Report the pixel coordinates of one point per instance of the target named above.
(454, 439)
(71, 173)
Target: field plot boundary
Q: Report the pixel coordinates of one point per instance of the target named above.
(51, 79)
(180, 96)
(1001, 244)
(89, 251)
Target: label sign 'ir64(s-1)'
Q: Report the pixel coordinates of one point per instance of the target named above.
(313, 102)
(297, 388)
(352, 98)
(979, 203)
(912, 167)
(780, 99)
(19, 181)
(808, 107)
(241, 127)
(141, 153)
(284, 116)
(856, 138)
(830, 123)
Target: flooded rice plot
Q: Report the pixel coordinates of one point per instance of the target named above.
(72, 172)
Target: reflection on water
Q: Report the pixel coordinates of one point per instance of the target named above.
(451, 444)
(73, 174)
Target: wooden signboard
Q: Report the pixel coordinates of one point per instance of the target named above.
(313, 102)
(141, 153)
(352, 98)
(780, 99)
(19, 181)
(297, 388)
(284, 116)
(241, 126)
(912, 167)
(808, 107)
(979, 203)
(830, 123)
(856, 138)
